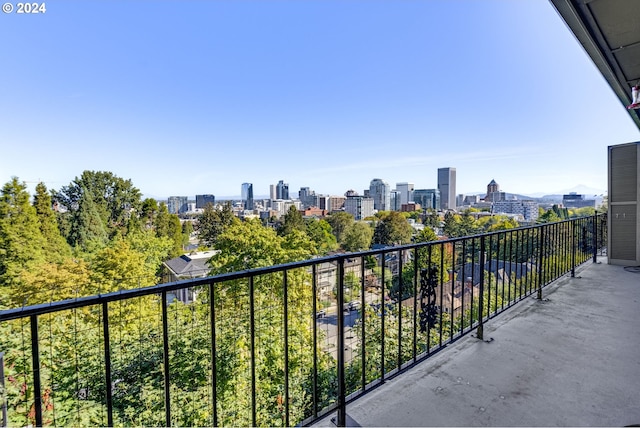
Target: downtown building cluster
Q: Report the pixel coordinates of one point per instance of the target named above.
(380, 196)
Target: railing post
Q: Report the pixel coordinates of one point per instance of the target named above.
(252, 328)
(595, 237)
(541, 271)
(573, 249)
(480, 331)
(35, 357)
(165, 360)
(399, 360)
(214, 353)
(3, 405)
(342, 405)
(314, 288)
(286, 348)
(107, 363)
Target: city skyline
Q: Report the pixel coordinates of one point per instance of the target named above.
(319, 93)
(579, 189)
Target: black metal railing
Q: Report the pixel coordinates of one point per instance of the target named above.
(276, 346)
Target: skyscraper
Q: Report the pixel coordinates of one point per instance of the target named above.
(380, 192)
(447, 188)
(282, 190)
(247, 195)
(307, 197)
(405, 190)
(427, 198)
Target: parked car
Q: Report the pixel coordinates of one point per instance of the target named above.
(321, 313)
(354, 305)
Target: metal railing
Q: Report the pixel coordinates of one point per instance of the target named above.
(276, 346)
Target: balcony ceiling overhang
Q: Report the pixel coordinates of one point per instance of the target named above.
(609, 31)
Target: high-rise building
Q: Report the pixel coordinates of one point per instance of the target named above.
(405, 190)
(307, 197)
(380, 192)
(282, 190)
(394, 200)
(203, 200)
(359, 206)
(447, 188)
(177, 204)
(427, 198)
(272, 192)
(247, 195)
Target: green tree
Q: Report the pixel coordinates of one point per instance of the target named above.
(21, 242)
(495, 223)
(249, 244)
(187, 230)
(339, 222)
(114, 198)
(212, 223)
(56, 246)
(168, 225)
(426, 235)
(148, 212)
(431, 218)
(121, 267)
(393, 229)
(246, 245)
(319, 231)
(175, 234)
(357, 237)
(292, 221)
(88, 231)
(450, 224)
(549, 216)
(155, 249)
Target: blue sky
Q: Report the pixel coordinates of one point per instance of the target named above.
(192, 97)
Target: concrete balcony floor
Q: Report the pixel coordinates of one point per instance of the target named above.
(571, 359)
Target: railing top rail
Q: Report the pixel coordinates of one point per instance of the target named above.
(98, 299)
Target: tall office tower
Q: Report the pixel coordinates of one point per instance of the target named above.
(406, 192)
(380, 192)
(447, 188)
(177, 204)
(427, 198)
(307, 197)
(394, 201)
(203, 200)
(282, 190)
(247, 195)
(272, 192)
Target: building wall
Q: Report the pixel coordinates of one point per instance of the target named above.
(282, 190)
(359, 206)
(203, 200)
(447, 188)
(574, 200)
(247, 195)
(177, 204)
(528, 209)
(380, 192)
(405, 191)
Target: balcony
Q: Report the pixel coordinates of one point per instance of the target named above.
(570, 359)
(298, 343)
